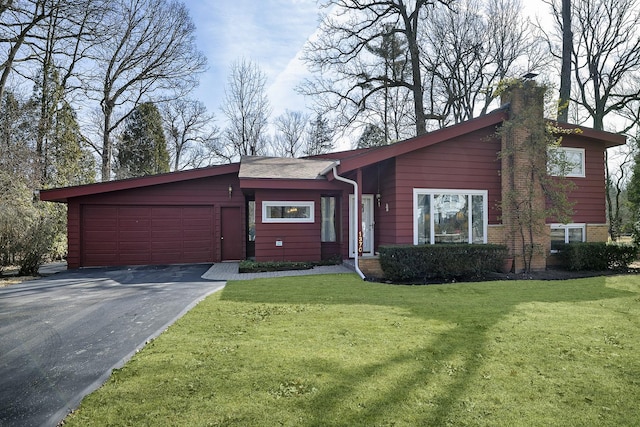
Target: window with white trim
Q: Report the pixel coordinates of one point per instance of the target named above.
(285, 211)
(449, 216)
(566, 161)
(566, 233)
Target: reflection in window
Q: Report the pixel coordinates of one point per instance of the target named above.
(566, 233)
(424, 219)
(565, 161)
(328, 227)
(287, 211)
(450, 216)
(251, 220)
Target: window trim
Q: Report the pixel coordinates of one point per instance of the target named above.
(288, 203)
(582, 152)
(433, 191)
(566, 228)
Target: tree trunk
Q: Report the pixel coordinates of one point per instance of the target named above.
(565, 72)
(107, 149)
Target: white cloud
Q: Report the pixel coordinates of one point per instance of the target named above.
(270, 32)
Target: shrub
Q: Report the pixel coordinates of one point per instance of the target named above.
(596, 256)
(411, 263)
(266, 266)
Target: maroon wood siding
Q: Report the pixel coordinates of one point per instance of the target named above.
(468, 162)
(175, 198)
(300, 241)
(588, 196)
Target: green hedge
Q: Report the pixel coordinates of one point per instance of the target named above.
(421, 263)
(596, 256)
(268, 266)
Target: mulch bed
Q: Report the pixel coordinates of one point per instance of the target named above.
(549, 274)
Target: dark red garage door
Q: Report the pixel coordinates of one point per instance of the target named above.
(136, 235)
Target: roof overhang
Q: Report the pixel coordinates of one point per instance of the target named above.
(66, 193)
(610, 139)
(378, 154)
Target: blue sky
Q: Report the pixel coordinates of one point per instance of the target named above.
(269, 32)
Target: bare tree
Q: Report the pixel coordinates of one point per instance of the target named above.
(605, 55)
(18, 22)
(149, 48)
(470, 49)
(352, 76)
(291, 130)
(605, 60)
(565, 71)
(190, 129)
(246, 107)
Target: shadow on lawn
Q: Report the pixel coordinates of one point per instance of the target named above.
(473, 308)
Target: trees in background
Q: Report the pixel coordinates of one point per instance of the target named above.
(191, 133)
(142, 147)
(443, 58)
(469, 49)
(148, 49)
(347, 76)
(605, 67)
(291, 130)
(247, 110)
(319, 137)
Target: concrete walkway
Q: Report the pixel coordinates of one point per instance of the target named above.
(229, 271)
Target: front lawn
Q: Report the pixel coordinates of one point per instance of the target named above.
(333, 350)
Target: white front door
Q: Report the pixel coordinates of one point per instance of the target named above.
(366, 216)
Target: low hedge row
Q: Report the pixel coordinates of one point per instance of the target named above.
(421, 263)
(248, 266)
(596, 256)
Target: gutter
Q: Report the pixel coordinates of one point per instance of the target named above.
(355, 213)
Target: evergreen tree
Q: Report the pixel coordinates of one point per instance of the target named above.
(372, 136)
(142, 147)
(71, 162)
(319, 138)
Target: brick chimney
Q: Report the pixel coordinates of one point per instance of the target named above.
(523, 152)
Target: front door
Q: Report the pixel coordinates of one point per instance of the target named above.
(366, 216)
(231, 234)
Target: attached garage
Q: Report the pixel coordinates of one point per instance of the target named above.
(195, 216)
(134, 235)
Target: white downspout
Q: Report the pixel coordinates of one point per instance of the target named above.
(355, 216)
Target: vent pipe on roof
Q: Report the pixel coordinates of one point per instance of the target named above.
(356, 218)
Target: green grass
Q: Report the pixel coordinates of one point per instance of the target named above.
(335, 351)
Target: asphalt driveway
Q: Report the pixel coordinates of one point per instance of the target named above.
(61, 336)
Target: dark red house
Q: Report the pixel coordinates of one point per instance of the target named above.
(441, 187)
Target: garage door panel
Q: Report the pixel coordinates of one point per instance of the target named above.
(173, 235)
(130, 235)
(133, 236)
(134, 211)
(133, 223)
(167, 223)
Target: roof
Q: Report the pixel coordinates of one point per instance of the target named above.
(62, 194)
(366, 157)
(310, 173)
(377, 154)
(256, 167)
